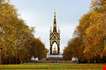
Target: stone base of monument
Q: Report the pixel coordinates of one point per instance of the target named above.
(54, 58)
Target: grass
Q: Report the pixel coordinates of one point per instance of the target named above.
(52, 66)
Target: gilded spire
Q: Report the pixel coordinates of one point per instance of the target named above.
(54, 25)
(54, 38)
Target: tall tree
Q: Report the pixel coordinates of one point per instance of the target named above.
(92, 32)
(16, 37)
(38, 49)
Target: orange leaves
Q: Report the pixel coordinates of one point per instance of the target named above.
(15, 36)
(7, 10)
(38, 49)
(92, 30)
(73, 48)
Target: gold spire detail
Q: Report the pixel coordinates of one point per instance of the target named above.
(54, 25)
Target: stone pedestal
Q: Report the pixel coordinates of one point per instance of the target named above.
(55, 58)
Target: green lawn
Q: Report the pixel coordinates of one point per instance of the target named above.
(51, 66)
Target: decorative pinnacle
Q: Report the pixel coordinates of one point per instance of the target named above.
(54, 13)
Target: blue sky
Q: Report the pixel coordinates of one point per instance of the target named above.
(39, 14)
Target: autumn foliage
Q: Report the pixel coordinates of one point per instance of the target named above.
(16, 38)
(92, 34)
